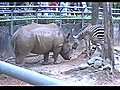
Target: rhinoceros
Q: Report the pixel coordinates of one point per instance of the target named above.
(41, 39)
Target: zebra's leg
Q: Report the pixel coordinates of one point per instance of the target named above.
(87, 41)
(89, 48)
(102, 50)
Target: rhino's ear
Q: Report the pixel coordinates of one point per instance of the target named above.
(60, 45)
(68, 36)
(75, 37)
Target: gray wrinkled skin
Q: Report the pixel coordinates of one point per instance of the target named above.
(40, 39)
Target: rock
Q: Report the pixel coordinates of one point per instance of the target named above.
(83, 66)
(93, 59)
(108, 66)
(97, 64)
(117, 67)
(106, 62)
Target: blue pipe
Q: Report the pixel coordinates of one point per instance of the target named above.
(29, 76)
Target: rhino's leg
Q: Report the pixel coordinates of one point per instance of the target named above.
(46, 55)
(55, 56)
(56, 53)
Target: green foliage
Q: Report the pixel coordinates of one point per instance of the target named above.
(90, 4)
(116, 4)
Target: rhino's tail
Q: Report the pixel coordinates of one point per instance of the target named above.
(14, 38)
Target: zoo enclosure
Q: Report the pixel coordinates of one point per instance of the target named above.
(60, 17)
(5, 34)
(37, 18)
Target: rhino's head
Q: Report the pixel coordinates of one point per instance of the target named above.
(66, 49)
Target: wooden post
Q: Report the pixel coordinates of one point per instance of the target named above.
(111, 23)
(112, 36)
(108, 42)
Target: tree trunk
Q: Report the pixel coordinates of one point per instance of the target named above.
(108, 38)
(95, 13)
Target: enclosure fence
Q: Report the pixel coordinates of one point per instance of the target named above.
(37, 10)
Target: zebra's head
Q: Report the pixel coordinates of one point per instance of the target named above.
(80, 34)
(78, 37)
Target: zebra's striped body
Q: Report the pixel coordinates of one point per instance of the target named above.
(95, 35)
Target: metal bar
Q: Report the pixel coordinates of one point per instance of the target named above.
(11, 30)
(61, 17)
(82, 20)
(22, 11)
(37, 6)
(29, 76)
(33, 11)
(36, 14)
(39, 11)
(8, 20)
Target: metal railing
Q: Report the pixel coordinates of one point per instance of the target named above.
(38, 10)
(30, 76)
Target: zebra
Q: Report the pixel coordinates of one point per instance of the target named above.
(95, 35)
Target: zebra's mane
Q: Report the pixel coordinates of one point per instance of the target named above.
(87, 30)
(91, 28)
(80, 30)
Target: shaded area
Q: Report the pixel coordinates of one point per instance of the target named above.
(5, 44)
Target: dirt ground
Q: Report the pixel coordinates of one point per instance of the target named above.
(66, 70)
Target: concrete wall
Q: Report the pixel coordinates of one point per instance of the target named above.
(5, 37)
(5, 42)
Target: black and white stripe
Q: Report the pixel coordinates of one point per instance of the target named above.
(98, 34)
(95, 33)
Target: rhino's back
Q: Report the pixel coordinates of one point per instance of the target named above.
(36, 25)
(47, 39)
(38, 38)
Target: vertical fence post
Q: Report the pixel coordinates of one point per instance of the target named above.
(36, 15)
(11, 31)
(61, 17)
(82, 19)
